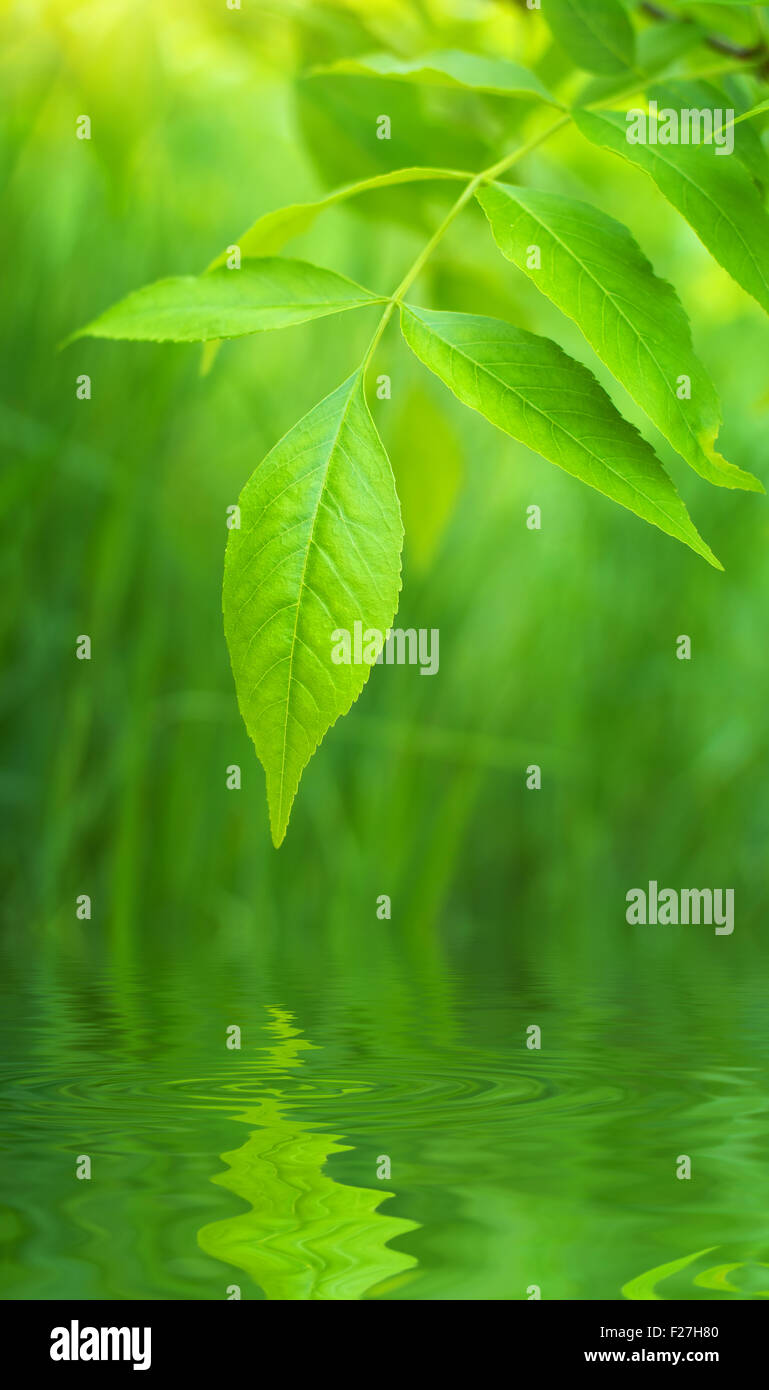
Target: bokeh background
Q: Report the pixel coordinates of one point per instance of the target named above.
(361, 1037)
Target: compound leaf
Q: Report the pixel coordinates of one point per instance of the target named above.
(318, 550)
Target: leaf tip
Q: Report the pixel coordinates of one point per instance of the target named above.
(280, 810)
(278, 834)
(707, 554)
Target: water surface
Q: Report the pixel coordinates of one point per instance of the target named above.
(214, 1168)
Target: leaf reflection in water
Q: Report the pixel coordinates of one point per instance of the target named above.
(305, 1235)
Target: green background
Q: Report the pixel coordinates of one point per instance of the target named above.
(360, 1037)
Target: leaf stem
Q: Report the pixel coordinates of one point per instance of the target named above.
(485, 176)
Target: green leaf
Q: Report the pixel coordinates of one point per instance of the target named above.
(528, 387)
(697, 94)
(451, 68)
(318, 549)
(591, 267)
(714, 193)
(264, 294)
(657, 49)
(270, 232)
(596, 34)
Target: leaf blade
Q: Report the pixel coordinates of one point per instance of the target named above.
(597, 34)
(448, 68)
(695, 93)
(594, 271)
(657, 49)
(521, 383)
(714, 194)
(261, 295)
(318, 550)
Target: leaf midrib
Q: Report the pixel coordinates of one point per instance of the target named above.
(302, 585)
(208, 307)
(552, 422)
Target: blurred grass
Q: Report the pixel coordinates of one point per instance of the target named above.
(557, 647)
